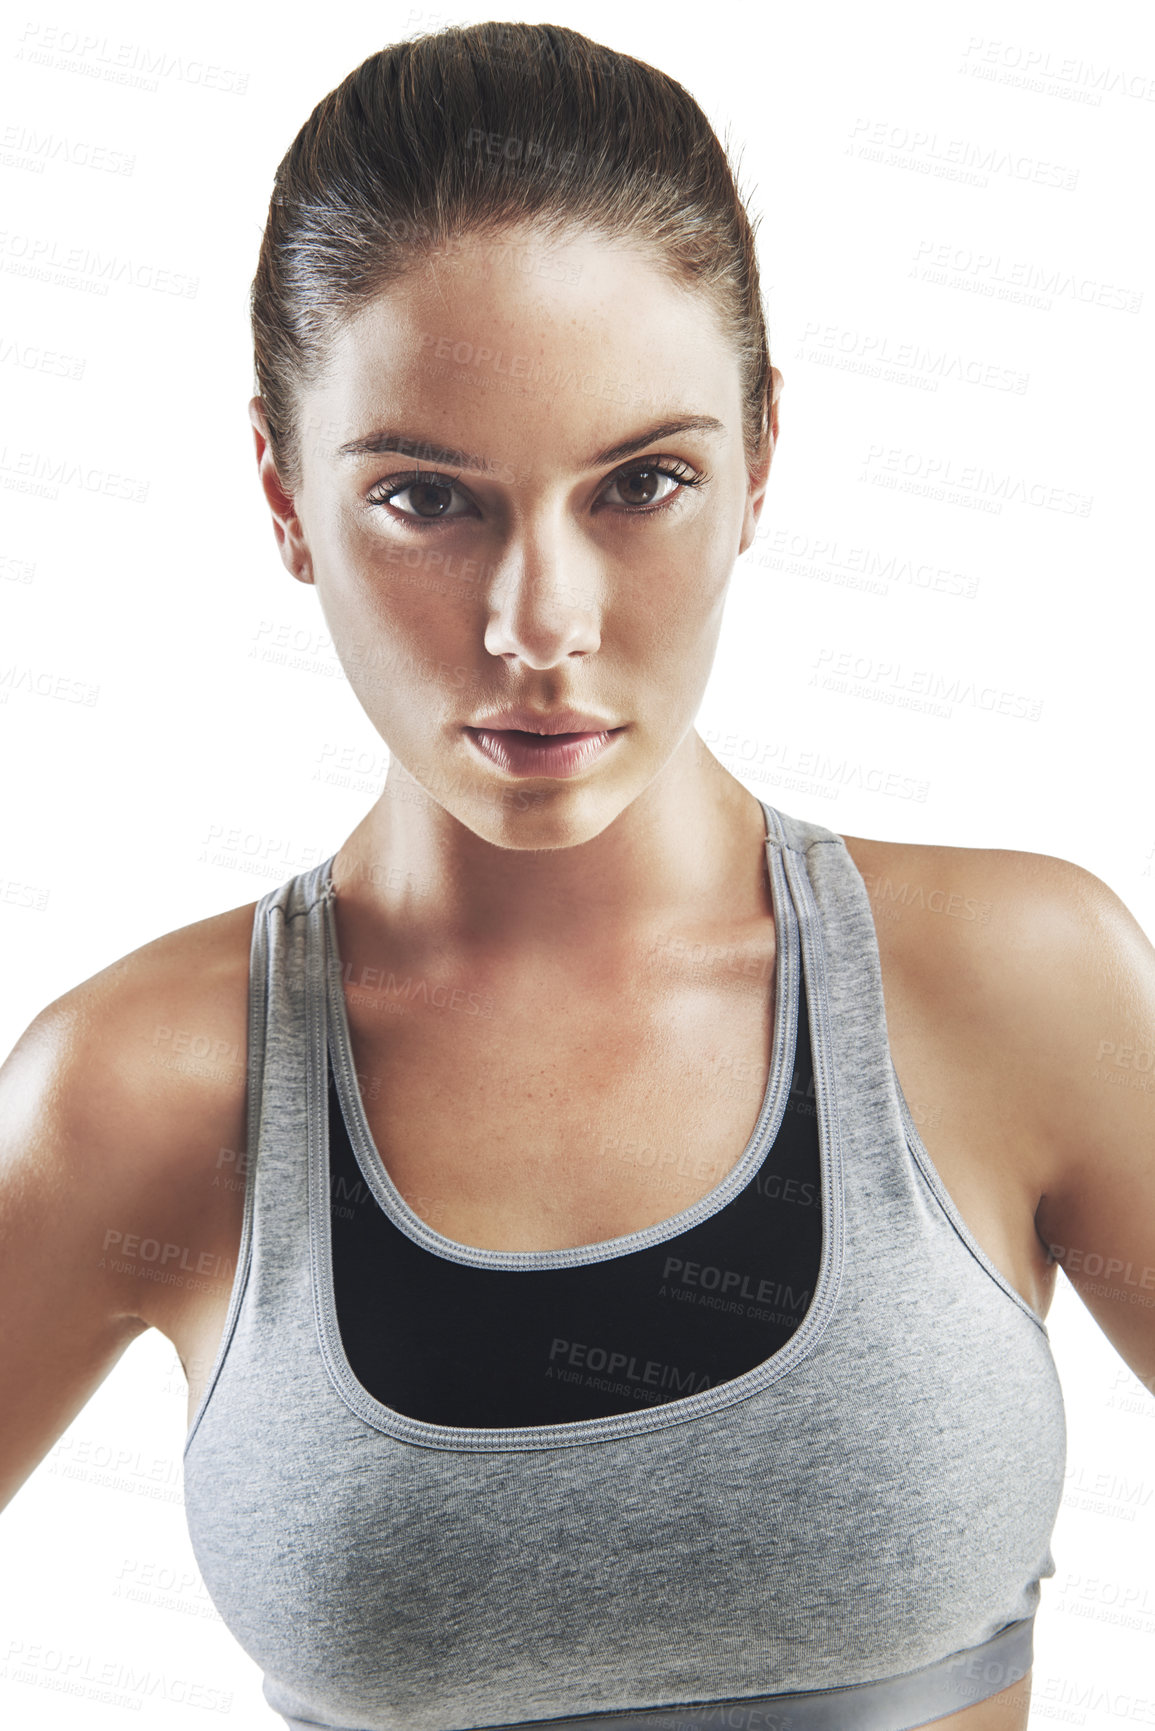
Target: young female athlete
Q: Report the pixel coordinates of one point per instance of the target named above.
(586, 1334)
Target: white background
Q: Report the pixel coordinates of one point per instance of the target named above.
(1034, 270)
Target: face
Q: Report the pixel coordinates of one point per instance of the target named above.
(523, 488)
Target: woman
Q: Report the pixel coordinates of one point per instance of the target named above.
(603, 1339)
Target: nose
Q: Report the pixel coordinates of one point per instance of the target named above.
(543, 600)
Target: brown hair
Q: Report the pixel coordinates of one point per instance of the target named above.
(473, 130)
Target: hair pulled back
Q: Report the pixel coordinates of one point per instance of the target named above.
(473, 130)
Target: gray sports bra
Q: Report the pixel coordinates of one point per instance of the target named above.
(851, 1532)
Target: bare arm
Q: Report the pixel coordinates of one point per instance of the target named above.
(1097, 1214)
(110, 1137)
(65, 1324)
(1030, 1016)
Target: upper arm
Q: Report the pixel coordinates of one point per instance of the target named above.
(110, 1158)
(1036, 1004)
(1092, 972)
(65, 1323)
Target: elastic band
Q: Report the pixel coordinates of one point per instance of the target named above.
(893, 1704)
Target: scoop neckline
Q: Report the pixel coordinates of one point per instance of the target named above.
(798, 923)
(392, 1203)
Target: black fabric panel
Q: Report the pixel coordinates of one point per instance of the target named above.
(454, 1344)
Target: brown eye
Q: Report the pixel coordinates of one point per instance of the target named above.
(431, 497)
(649, 485)
(639, 486)
(428, 498)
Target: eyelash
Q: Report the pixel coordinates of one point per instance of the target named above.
(673, 467)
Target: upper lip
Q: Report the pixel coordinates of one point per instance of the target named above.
(557, 721)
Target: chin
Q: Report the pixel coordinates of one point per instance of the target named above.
(525, 818)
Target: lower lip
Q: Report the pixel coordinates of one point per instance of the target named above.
(551, 754)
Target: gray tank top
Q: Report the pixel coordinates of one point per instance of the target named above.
(850, 1535)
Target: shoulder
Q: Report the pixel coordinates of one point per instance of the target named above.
(128, 1091)
(1025, 923)
(1026, 946)
(1037, 966)
(167, 1019)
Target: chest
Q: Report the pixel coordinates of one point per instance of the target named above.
(565, 1117)
(539, 1113)
(548, 1117)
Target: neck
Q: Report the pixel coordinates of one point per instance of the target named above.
(688, 847)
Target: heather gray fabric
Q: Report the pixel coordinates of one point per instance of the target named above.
(897, 1701)
(871, 1506)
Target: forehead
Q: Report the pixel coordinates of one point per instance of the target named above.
(528, 351)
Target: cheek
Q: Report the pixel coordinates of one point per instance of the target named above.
(412, 595)
(679, 605)
(402, 634)
(409, 685)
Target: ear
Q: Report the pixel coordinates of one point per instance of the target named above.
(759, 473)
(287, 527)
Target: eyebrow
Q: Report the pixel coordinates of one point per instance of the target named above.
(430, 451)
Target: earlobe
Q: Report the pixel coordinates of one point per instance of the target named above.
(776, 382)
(753, 510)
